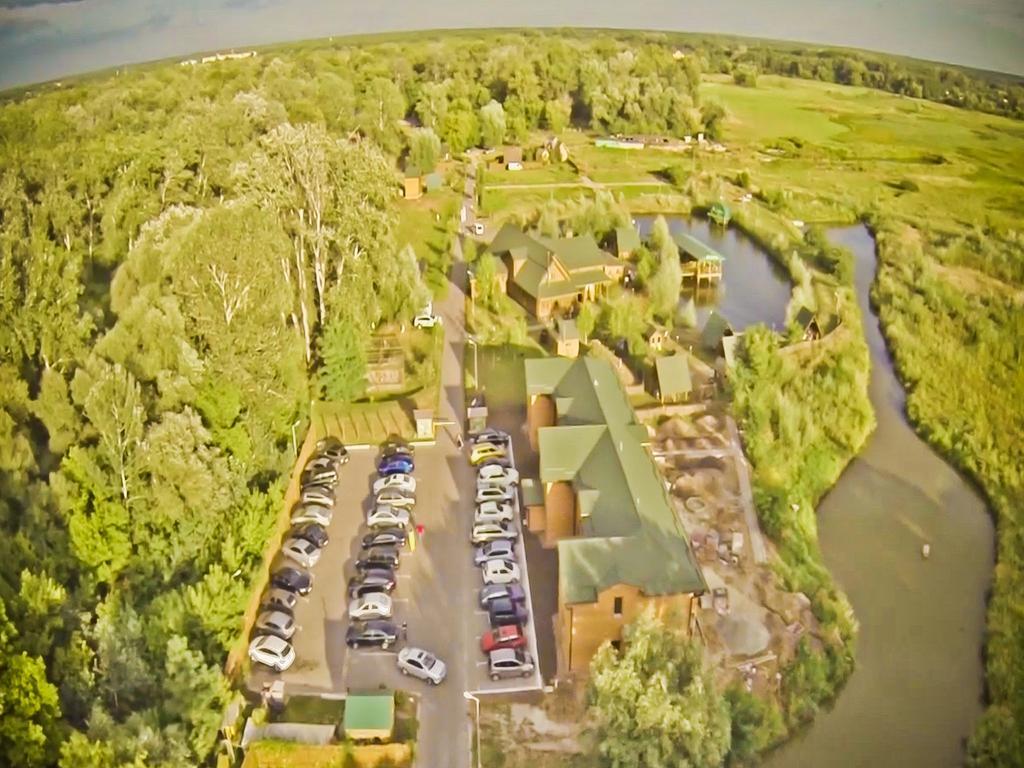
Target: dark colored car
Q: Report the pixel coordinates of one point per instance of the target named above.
(503, 611)
(292, 579)
(493, 592)
(400, 464)
(314, 533)
(378, 632)
(319, 477)
(383, 557)
(320, 462)
(333, 448)
(377, 580)
(385, 537)
(491, 435)
(394, 445)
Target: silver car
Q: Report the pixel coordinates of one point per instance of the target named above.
(302, 551)
(386, 516)
(486, 492)
(493, 512)
(276, 623)
(490, 531)
(317, 494)
(396, 498)
(311, 513)
(272, 651)
(510, 662)
(422, 664)
(404, 483)
(375, 605)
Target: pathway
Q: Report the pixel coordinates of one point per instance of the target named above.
(746, 497)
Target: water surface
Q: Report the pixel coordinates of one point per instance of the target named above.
(754, 289)
(917, 688)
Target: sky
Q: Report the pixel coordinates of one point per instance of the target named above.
(47, 40)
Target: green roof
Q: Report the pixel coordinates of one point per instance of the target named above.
(627, 238)
(692, 249)
(715, 329)
(533, 492)
(804, 317)
(673, 375)
(581, 257)
(629, 532)
(369, 712)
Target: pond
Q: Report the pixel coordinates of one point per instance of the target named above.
(754, 289)
(917, 687)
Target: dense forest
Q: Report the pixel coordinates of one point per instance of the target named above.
(180, 248)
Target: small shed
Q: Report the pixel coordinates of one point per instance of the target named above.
(700, 260)
(512, 155)
(715, 329)
(720, 214)
(476, 415)
(627, 242)
(659, 339)
(412, 187)
(424, 418)
(533, 501)
(567, 339)
(730, 349)
(369, 716)
(807, 321)
(674, 383)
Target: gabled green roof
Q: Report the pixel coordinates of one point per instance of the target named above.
(715, 329)
(629, 532)
(627, 238)
(804, 316)
(673, 375)
(692, 249)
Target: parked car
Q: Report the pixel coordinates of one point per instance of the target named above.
(399, 464)
(510, 662)
(292, 579)
(483, 451)
(395, 498)
(490, 531)
(494, 474)
(334, 449)
(278, 623)
(424, 320)
(492, 592)
(312, 532)
(478, 228)
(379, 632)
(385, 516)
(319, 462)
(422, 664)
(383, 557)
(382, 580)
(327, 477)
(311, 513)
(507, 636)
(491, 435)
(499, 549)
(499, 572)
(302, 551)
(504, 611)
(385, 537)
(493, 493)
(403, 483)
(493, 512)
(372, 605)
(277, 598)
(273, 652)
(318, 494)
(394, 446)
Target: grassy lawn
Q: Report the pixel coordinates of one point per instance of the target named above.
(311, 709)
(502, 376)
(554, 173)
(424, 224)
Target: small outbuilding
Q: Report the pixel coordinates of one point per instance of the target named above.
(433, 181)
(674, 383)
(720, 214)
(412, 186)
(369, 716)
(567, 338)
(807, 321)
(715, 329)
(512, 154)
(627, 242)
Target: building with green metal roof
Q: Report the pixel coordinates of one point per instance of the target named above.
(369, 716)
(548, 273)
(700, 261)
(674, 383)
(621, 546)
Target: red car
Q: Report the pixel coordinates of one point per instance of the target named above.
(510, 636)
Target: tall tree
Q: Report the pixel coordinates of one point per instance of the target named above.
(492, 123)
(424, 149)
(343, 349)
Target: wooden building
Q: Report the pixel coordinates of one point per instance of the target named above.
(807, 321)
(602, 503)
(701, 262)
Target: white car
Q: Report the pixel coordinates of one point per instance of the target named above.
(396, 498)
(499, 572)
(276, 622)
(483, 532)
(386, 516)
(375, 605)
(311, 513)
(478, 228)
(493, 512)
(494, 474)
(403, 483)
(273, 652)
(493, 493)
(426, 320)
(422, 664)
(303, 552)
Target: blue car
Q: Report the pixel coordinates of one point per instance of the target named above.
(399, 464)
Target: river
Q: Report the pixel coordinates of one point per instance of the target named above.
(42, 40)
(917, 687)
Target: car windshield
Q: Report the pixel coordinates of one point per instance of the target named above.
(428, 660)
